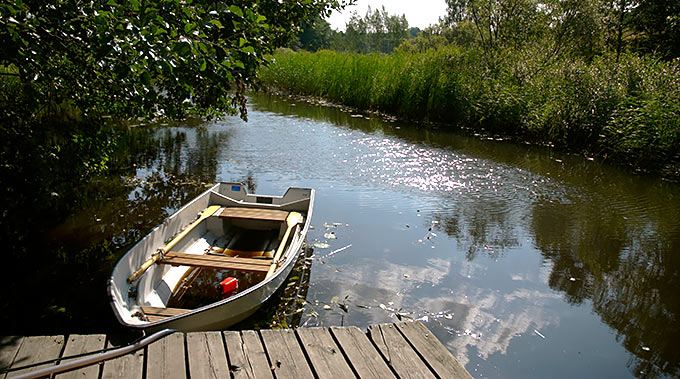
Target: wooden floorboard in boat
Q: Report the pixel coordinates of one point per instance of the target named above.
(405, 349)
(163, 312)
(255, 214)
(217, 261)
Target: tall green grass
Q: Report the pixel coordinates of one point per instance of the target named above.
(626, 110)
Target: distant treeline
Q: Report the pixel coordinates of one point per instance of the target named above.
(582, 76)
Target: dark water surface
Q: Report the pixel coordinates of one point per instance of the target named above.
(523, 262)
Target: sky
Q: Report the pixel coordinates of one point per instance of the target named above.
(420, 13)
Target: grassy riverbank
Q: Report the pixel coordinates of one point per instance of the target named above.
(628, 111)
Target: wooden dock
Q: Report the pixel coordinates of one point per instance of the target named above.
(400, 350)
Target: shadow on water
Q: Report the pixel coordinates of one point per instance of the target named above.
(60, 287)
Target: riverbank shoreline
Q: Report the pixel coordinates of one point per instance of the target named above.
(625, 112)
(670, 172)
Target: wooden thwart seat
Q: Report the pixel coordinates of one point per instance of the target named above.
(254, 214)
(156, 314)
(216, 261)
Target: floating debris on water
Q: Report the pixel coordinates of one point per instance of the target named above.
(330, 236)
(322, 245)
(539, 334)
(338, 250)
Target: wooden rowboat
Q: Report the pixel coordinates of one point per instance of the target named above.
(253, 239)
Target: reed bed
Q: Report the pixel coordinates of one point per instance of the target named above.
(626, 110)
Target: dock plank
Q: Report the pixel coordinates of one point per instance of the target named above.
(165, 358)
(437, 356)
(404, 350)
(80, 344)
(324, 354)
(127, 366)
(363, 357)
(207, 356)
(398, 352)
(9, 346)
(247, 358)
(37, 349)
(285, 354)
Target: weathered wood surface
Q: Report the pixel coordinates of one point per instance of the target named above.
(285, 355)
(216, 261)
(156, 314)
(33, 350)
(366, 361)
(404, 350)
(438, 357)
(166, 358)
(80, 344)
(128, 366)
(207, 356)
(324, 354)
(247, 358)
(397, 352)
(254, 214)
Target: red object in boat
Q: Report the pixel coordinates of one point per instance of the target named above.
(229, 286)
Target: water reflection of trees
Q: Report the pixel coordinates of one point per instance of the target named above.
(629, 269)
(479, 226)
(154, 171)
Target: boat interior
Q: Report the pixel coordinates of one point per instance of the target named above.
(233, 242)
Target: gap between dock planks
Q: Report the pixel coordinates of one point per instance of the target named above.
(400, 350)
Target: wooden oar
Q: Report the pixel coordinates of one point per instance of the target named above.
(293, 219)
(156, 256)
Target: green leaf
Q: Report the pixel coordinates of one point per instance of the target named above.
(189, 26)
(241, 42)
(216, 23)
(236, 10)
(248, 49)
(204, 64)
(135, 5)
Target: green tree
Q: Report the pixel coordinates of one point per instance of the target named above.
(70, 69)
(313, 35)
(499, 23)
(377, 31)
(656, 27)
(168, 58)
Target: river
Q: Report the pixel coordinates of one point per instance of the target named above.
(523, 261)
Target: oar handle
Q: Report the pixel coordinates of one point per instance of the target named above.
(156, 256)
(145, 266)
(275, 261)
